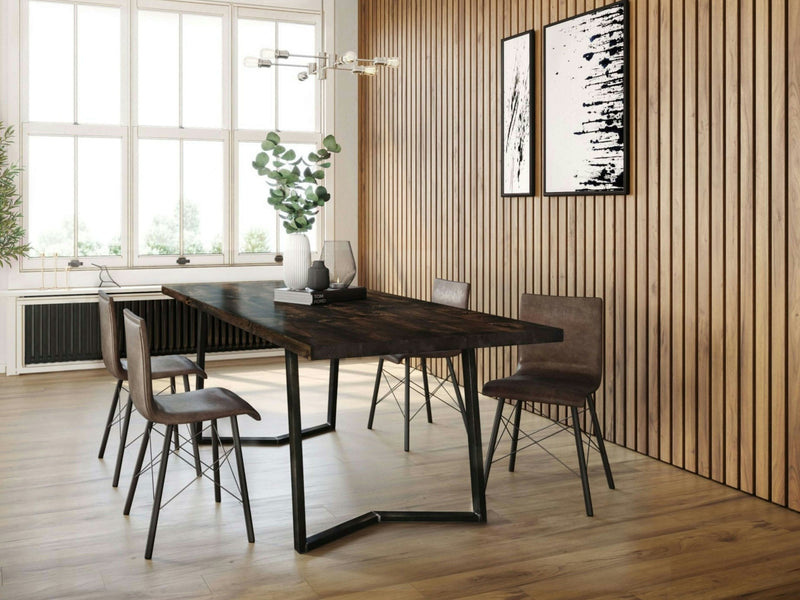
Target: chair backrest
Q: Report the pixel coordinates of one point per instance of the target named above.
(450, 293)
(581, 352)
(140, 381)
(109, 339)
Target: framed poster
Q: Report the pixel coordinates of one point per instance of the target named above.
(585, 103)
(517, 102)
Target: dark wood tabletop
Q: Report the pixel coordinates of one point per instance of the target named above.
(380, 324)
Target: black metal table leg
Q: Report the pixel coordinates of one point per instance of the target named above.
(309, 432)
(202, 335)
(473, 415)
(296, 451)
(304, 543)
(333, 392)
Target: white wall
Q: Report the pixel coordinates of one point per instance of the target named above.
(345, 196)
(340, 18)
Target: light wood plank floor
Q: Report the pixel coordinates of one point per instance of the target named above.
(662, 533)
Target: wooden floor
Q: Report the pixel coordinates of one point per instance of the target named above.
(662, 533)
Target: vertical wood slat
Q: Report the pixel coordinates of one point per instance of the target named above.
(793, 243)
(697, 265)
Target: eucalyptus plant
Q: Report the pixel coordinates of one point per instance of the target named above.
(12, 233)
(295, 182)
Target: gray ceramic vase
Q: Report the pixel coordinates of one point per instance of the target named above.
(318, 276)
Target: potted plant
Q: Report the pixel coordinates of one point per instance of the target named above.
(297, 193)
(11, 231)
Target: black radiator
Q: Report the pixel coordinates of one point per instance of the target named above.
(71, 332)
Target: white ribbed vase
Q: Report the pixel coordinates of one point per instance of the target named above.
(296, 260)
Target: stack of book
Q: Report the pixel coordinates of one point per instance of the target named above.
(323, 297)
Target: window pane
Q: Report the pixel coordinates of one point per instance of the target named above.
(158, 68)
(256, 86)
(98, 64)
(51, 205)
(50, 62)
(202, 197)
(159, 193)
(296, 99)
(257, 219)
(99, 196)
(202, 71)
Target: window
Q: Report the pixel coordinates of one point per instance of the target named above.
(140, 125)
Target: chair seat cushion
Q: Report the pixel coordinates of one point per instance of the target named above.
(170, 366)
(201, 405)
(567, 391)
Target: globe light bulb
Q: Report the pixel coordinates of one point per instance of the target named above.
(370, 70)
(302, 75)
(393, 62)
(349, 57)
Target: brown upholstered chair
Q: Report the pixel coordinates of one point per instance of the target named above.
(450, 293)
(565, 373)
(161, 367)
(188, 408)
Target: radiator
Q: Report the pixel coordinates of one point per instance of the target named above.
(71, 331)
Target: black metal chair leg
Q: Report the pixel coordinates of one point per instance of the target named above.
(587, 496)
(193, 434)
(512, 461)
(498, 416)
(427, 389)
(215, 460)
(237, 446)
(123, 440)
(172, 390)
(162, 472)
(375, 393)
(137, 469)
(110, 420)
(600, 442)
(407, 416)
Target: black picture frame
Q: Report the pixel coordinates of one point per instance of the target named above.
(517, 103)
(585, 104)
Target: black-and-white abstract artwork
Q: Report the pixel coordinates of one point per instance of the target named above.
(585, 103)
(517, 102)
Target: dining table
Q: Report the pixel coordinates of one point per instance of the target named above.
(379, 324)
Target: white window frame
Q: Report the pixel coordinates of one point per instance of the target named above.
(301, 11)
(288, 137)
(74, 130)
(181, 133)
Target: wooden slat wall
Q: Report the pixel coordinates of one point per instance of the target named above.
(699, 265)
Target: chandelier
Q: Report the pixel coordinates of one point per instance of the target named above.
(321, 63)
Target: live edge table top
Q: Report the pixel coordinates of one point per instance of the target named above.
(380, 324)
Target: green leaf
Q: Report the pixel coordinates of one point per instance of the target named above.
(289, 155)
(261, 160)
(330, 143)
(323, 154)
(325, 165)
(313, 156)
(318, 174)
(263, 172)
(278, 163)
(273, 137)
(267, 145)
(278, 150)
